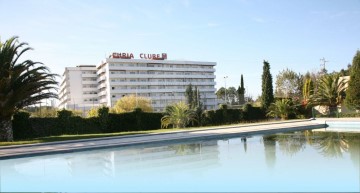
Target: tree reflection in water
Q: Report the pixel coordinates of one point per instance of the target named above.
(186, 149)
(329, 144)
(270, 150)
(290, 144)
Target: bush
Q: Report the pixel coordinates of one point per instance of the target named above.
(21, 125)
(103, 118)
(134, 121)
(253, 113)
(222, 116)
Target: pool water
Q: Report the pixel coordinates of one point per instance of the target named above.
(297, 161)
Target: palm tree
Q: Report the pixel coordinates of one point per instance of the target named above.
(281, 108)
(330, 92)
(177, 115)
(21, 83)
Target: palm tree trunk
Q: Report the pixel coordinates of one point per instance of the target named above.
(6, 132)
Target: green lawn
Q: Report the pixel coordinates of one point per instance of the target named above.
(89, 136)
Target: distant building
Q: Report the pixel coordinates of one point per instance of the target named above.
(78, 88)
(163, 81)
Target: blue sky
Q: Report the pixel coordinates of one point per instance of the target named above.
(237, 34)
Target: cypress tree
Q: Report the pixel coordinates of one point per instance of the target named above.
(189, 95)
(241, 91)
(267, 96)
(352, 99)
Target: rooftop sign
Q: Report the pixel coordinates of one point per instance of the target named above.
(162, 56)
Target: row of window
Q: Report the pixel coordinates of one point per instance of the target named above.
(164, 65)
(159, 72)
(157, 87)
(90, 92)
(165, 95)
(161, 80)
(89, 79)
(91, 100)
(88, 72)
(89, 86)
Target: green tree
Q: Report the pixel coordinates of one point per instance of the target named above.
(189, 95)
(288, 84)
(308, 89)
(330, 92)
(130, 102)
(178, 115)
(93, 112)
(231, 95)
(196, 98)
(22, 83)
(241, 91)
(281, 108)
(267, 96)
(353, 91)
(221, 93)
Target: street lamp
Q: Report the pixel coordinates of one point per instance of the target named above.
(225, 77)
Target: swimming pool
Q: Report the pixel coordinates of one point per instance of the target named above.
(295, 161)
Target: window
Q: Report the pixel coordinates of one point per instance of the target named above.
(112, 88)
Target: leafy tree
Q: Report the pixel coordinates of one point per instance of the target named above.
(178, 115)
(231, 95)
(130, 102)
(288, 84)
(93, 112)
(221, 93)
(43, 112)
(345, 72)
(281, 108)
(330, 92)
(22, 83)
(241, 91)
(267, 96)
(353, 91)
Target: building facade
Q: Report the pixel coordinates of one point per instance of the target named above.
(78, 88)
(163, 81)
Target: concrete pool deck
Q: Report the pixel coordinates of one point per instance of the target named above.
(16, 151)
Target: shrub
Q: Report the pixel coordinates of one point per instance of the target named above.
(21, 126)
(253, 113)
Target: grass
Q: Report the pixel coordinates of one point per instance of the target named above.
(100, 135)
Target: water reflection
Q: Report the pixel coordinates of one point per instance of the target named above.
(270, 150)
(329, 144)
(332, 144)
(219, 163)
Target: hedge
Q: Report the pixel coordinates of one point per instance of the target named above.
(26, 127)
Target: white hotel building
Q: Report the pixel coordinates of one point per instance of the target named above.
(163, 81)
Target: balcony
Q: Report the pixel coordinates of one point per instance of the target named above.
(89, 75)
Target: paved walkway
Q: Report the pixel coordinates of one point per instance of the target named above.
(9, 152)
